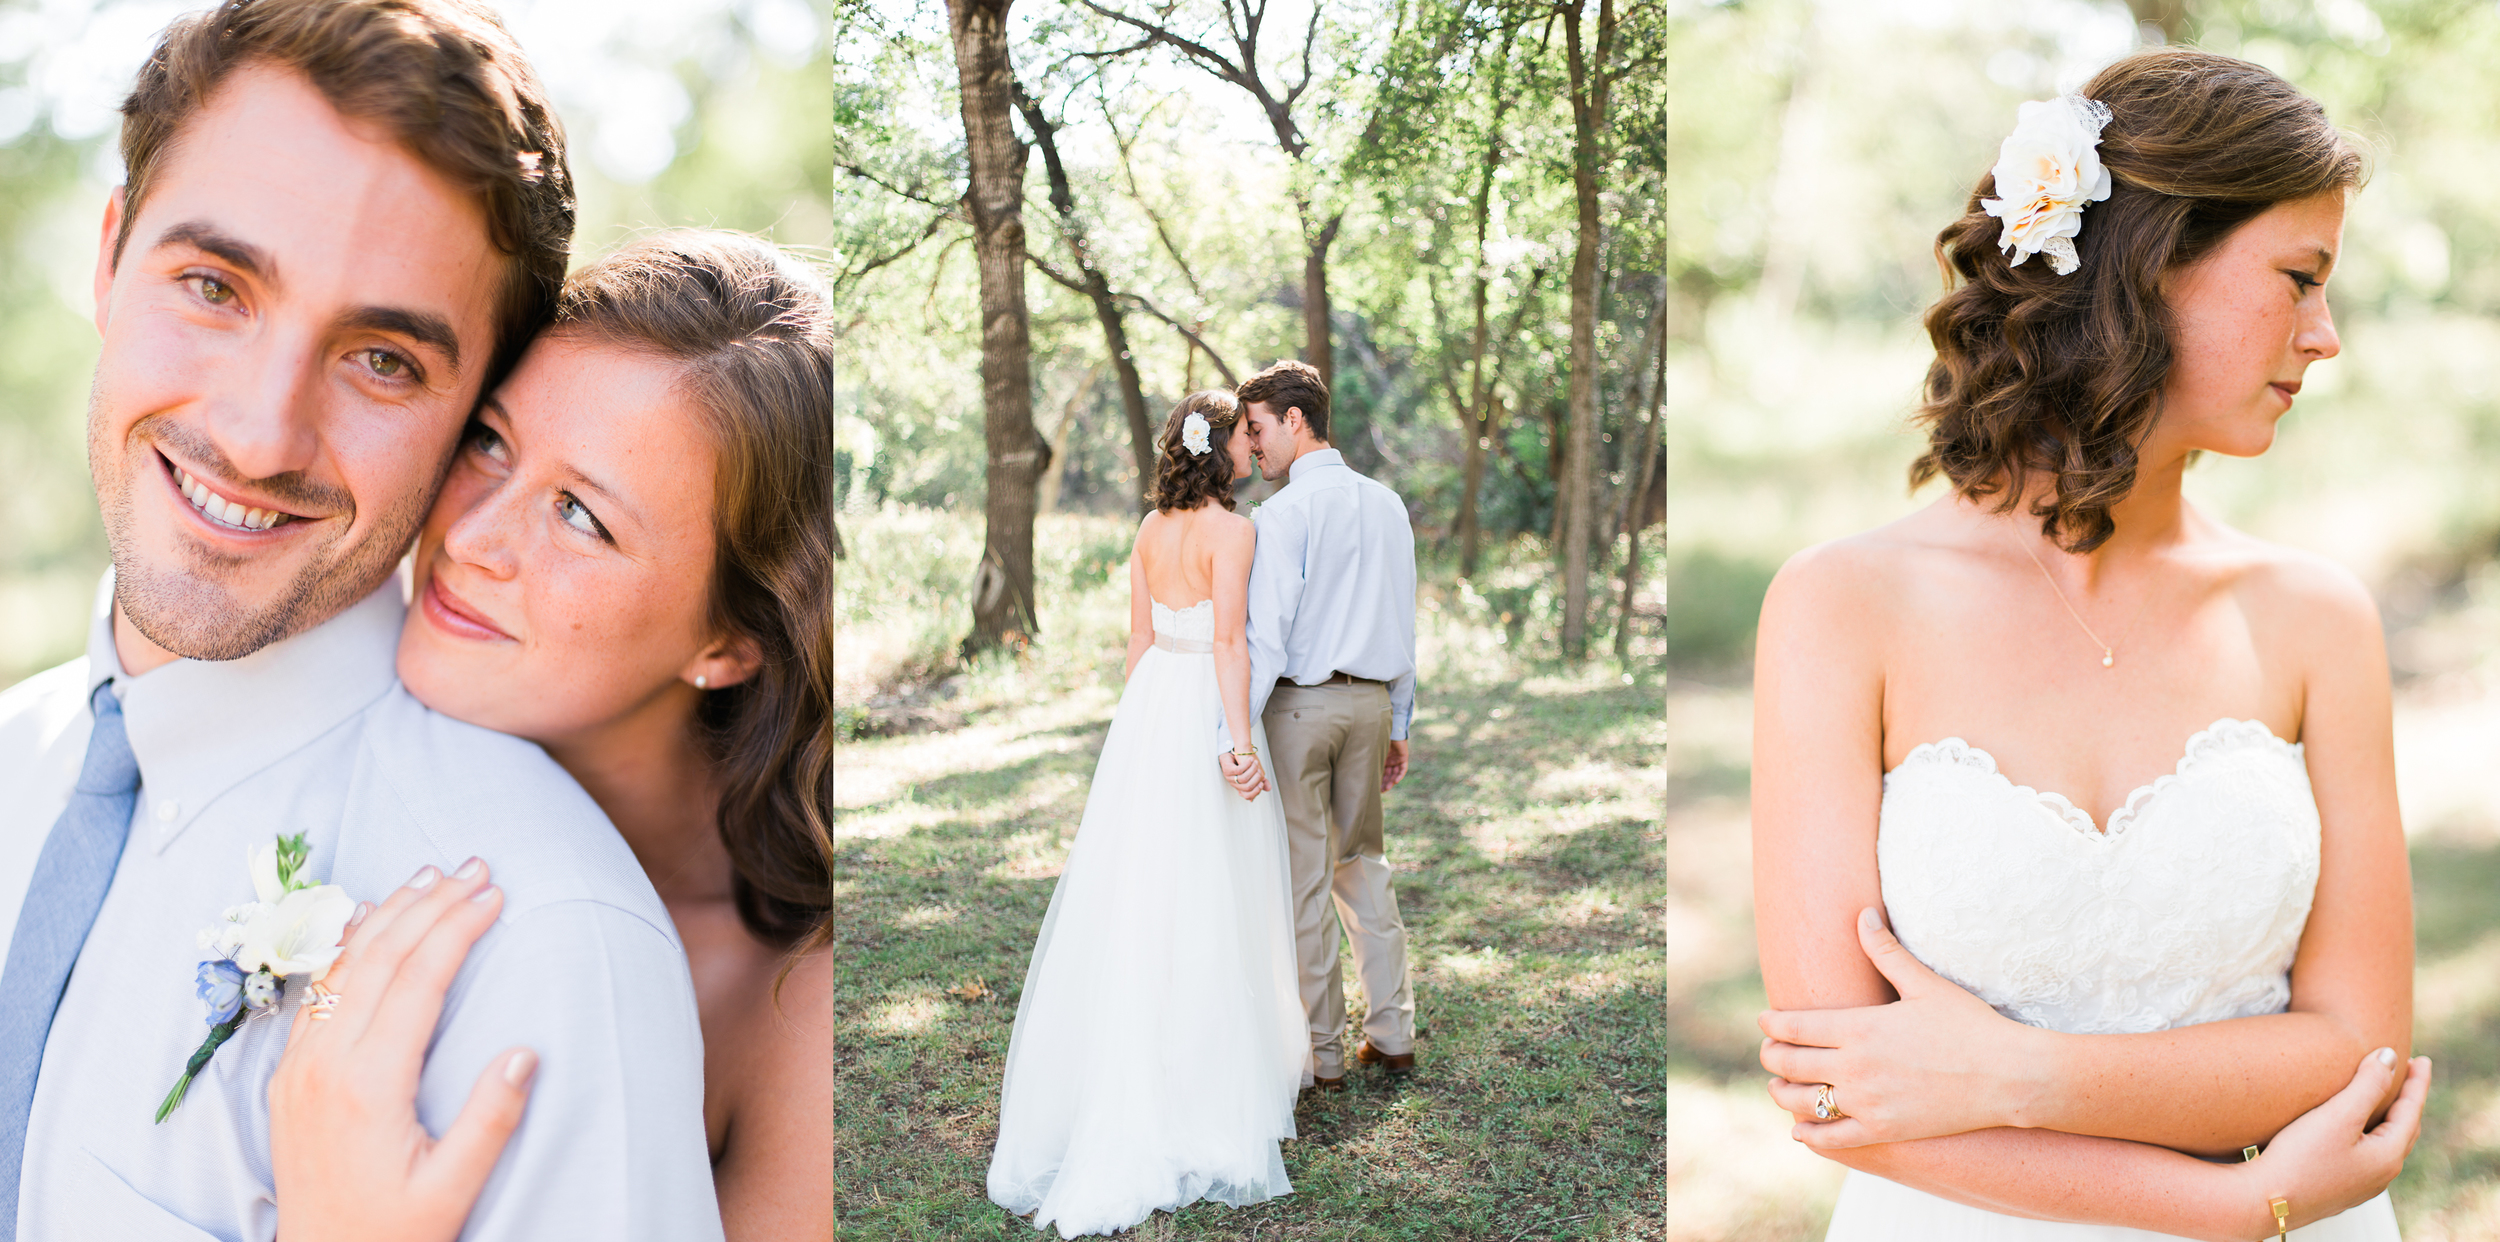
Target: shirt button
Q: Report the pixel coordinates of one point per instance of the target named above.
(165, 811)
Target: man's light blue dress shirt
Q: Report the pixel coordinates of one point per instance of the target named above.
(315, 735)
(1332, 589)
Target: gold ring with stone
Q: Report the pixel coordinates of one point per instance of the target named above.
(323, 1001)
(1824, 1109)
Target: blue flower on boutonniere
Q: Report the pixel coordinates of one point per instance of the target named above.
(293, 929)
(221, 985)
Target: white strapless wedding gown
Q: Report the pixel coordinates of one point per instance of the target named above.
(1160, 1040)
(2188, 909)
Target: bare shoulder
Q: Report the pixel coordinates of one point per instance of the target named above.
(1869, 575)
(2314, 594)
(1229, 525)
(775, 1178)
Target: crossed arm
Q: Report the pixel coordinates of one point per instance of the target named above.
(1951, 1098)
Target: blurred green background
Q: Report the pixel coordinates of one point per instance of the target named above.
(1816, 148)
(677, 111)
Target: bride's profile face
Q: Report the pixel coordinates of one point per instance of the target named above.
(2246, 322)
(561, 578)
(1238, 448)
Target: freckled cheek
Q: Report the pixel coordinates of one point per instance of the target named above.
(599, 631)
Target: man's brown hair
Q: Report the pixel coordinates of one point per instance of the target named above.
(1290, 384)
(2060, 377)
(442, 76)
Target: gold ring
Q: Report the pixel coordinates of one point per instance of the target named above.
(323, 1001)
(1824, 1109)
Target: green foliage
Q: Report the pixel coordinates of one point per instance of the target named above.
(1713, 603)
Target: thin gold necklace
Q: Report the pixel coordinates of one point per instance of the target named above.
(2109, 653)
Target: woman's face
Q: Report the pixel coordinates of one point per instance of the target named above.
(1238, 447)
(2247, 320)
(561, 578)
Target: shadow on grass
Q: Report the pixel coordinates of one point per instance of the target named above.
(1537, 1107)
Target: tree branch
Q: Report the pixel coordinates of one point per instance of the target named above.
(1187, 333)
(853, 276)
(955, 208)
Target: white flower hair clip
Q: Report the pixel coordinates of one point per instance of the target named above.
(1194, 434)
(2047, 171)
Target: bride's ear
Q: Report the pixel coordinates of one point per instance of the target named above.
(723, 664)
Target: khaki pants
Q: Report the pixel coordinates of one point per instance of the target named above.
(1326, 746)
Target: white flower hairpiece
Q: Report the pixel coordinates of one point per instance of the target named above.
(1194, 434)
(2048, 169)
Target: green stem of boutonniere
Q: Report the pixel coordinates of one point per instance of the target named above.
(217, 1035)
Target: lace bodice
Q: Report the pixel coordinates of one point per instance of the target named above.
(2188, 909)
(1195, 623)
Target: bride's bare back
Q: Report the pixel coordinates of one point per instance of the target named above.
(1177, 552)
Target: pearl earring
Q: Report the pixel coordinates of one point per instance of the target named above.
(702, 682)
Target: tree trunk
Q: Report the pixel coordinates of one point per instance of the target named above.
(1557, 452)
(2159, 21)
(1471, 420)
(1485, 426)
(1588, 109)
(1141, 434)
(1318, 347)
(1003, 605)
(1054, 480)
(1648, 470)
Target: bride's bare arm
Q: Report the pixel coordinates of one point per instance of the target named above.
(1817, 791)
(2249, 1077)
(1234, 540)
(1141, 610)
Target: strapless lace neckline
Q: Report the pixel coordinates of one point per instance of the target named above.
(2222, 734)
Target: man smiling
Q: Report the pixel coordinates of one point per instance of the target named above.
(342, 220)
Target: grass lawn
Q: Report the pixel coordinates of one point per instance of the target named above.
(1531, 874)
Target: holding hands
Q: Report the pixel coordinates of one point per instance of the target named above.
(1243, 773)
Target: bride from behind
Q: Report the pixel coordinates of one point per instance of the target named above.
(2186, 935)
(1159, 1039)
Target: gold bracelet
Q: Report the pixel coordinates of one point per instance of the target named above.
(2282, 1205)
(1251, 753)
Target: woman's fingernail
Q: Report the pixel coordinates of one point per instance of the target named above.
(363, 908)
(2386, 1057)
(468, 869)
(517, 1071)
(486, 894)
(424, 878)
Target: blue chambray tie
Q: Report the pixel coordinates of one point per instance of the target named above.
(71, 874)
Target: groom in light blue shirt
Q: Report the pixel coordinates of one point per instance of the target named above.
(343, 218)
(1331, 630)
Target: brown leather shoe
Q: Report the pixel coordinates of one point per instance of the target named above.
(1395, 1063)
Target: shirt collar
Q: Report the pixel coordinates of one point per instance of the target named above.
(1314, 459)
(200, 727)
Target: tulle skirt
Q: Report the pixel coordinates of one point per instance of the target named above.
(1160, 1039)
(1872, 1209)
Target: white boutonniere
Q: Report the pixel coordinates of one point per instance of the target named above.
(292, 929)
(2046, 172)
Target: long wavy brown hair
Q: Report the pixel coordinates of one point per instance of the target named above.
(751, 329)
(2041, 374)
(1186, 480)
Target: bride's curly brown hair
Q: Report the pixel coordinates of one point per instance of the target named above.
(1186, 480)
(2062, 375)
